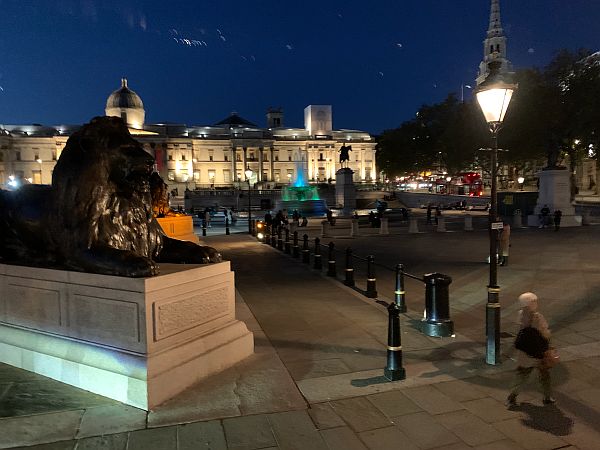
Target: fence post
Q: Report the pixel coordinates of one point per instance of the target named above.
(384, 228)
(325, 228)
(318, 265)
(354, 228)
(305, 250)
(287, 241)
(295, 247)
(349, 281)
(227, 227)
(399, 293)
(279, 240)
(393, 370)
(371, 280)
(413, 227)
(468, 222)
(331, 272)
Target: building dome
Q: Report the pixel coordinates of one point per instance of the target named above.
(126, 104)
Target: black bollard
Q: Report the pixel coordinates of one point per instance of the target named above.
(274, 237)
(267, 238)
(400, 292)
(371, 291)
(393, 370)
(287, 242)
(279, 239)
(349, 281)
(295, 247)
(331, 271)
(437, 321)
(305, 250)
(318, 264)
(227, 227)
(203, 227)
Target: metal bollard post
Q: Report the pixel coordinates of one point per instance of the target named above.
(279, 239)
(331, 272)
(349, 281)
(274, 237)
(468, 222)
(399, 292)
(371, 280)
(393, 370)
(295, 247)
(436, 322)
(287, 242)
(253, 225)
(318, 265)
(203, 227)
(267, 238)
(305, 250)
(227, 227)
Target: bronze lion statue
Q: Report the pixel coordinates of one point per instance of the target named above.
(97, 215)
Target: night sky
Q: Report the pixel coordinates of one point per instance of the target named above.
(196, 61)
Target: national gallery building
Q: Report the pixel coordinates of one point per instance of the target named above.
(203, 156)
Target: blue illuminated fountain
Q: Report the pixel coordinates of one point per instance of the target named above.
(300, 195)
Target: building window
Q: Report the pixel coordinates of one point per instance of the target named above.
(53, 155)
(36, 156)
(226, 176)
(226, 158)
(170, 158)
(183, 157)
(238, 157)
(171, 175)
(210, 157)
(289, 157)
(211, 175)
(18, 156)
(196, 175)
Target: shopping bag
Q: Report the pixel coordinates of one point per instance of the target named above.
(531, 341)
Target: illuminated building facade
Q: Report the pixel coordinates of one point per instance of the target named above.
(203, 156)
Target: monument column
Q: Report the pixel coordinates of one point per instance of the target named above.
(260, 163)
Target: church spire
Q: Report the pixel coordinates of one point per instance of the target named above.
(494, 45)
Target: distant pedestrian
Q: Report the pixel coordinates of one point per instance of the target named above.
(504, 244)
(438, 213)
(372, 219)
(544, 216)
(207, 217)
(429, 208)
(557, 218)
(536, 342)
(304, 222)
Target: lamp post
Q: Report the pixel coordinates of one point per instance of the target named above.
(248, 172)
(493, 96)
(521, 180)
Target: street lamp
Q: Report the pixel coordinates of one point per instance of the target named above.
(521, 180)
(493, 96)
(248, 172)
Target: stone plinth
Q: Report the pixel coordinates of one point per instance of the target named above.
(137, 340)
(179, 227)
(555, 191)
(345, 191)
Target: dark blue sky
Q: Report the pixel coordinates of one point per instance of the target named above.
(374, 61)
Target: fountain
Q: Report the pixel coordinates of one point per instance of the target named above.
(300, 195)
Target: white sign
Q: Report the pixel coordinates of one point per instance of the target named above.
(497, 225)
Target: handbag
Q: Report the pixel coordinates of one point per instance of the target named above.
(530, 341)
(551, 358)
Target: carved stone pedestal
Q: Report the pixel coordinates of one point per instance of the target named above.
(555, 191)
(179, 227)
(140, 341)
(345, 191)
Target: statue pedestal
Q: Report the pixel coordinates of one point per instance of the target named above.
(345, 191)
(179, 227)
(140, 341)
(555, 191)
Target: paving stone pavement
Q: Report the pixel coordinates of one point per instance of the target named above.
(315, 380)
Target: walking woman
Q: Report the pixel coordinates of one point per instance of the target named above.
(530, 317)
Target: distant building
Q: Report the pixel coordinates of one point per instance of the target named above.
(202, 156)
(494, 45)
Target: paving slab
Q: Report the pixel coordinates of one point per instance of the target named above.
(528, 437)
(424, 431)
(111, 419)
(469, 428)
(158, 438)
(324, 417)
(389, 438)
(295, 431)
(432, 400)
(360, 414)
(342, 438)
(394, 403)
(39, 429)
(201, 435)
(249, 433)
(110, 441)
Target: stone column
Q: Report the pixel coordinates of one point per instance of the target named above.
(272, 163)
(233, 163)
(245, 159)
(260, 163)
(345, 192)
